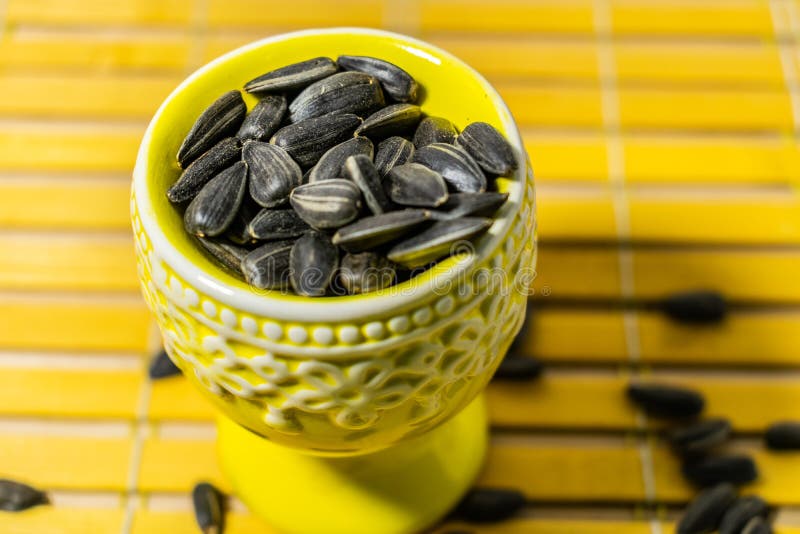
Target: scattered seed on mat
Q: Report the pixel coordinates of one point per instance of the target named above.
(740, 512)
(700, 437)
(783, 435)
(757, 525)
(485, 505)
(705, 511)
(737, 469)
(209, 508)
(162, 366)
(661, 400)
(518, 368)
(17, 496)
(697, 307)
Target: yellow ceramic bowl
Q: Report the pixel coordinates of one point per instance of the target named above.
(341, 375)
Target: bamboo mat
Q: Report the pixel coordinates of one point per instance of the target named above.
(664, 139)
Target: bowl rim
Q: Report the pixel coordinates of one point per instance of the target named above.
(280, 306)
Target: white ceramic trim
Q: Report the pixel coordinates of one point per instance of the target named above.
(324, 309)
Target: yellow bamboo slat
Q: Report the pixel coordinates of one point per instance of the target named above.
(567, 158)
(569, 272)
(556, 105)
(177, 464)
(718, 64)
(303, 13)
(542, 16)
(148, 522)
(42, 50)
(99, 12)
(710, 160)
(569, 217)
(176, 399)
(85, 96)
(44, 148)
(689, 17)
(567, 335)
(31, 322)
(705, 109)
(62, 520)
(56, 462)
(69, 393)
(55, 203)
(550, 526)
(37, 261)
(741, 220)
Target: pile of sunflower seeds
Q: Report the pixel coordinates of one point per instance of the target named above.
(335, 182)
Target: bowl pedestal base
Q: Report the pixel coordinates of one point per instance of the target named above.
(399, 490)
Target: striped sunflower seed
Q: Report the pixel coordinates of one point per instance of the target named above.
(783, 435)
(209, 508)
(435, 130)
(370, 232)
(488, 505)
(292, 77)
(306, 141)
(362, 172)
(437, 241)
(271, 225)
(396, 119)
(661, 400)
(393, 151)
(700, 437)
(328, 204)
(264, 119)
(740, 512)
(345, 92)
(267, 267)
(16, 496)
(226, 254)
(215, 206)
(397, 83)
(272, 173)
(475, 204)
(735, 469)
(237, 231)
(457, 167)
(705, 511)
(412, 184)
(366, 272)
(191, 181)
(518, 368)
(314, 260)
(221, 119)
(331, 164)
(488, 148)
(695, 307)
(757, 525)
(162, 366)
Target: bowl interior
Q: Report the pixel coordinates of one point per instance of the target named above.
(450, 89)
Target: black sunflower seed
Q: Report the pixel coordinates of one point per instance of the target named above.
(360, 170)
(783, 435)
(221, 119)
(237, 232)
(392, 152)
(328, 204)
(412, 184)
(661, 400)
(191, 181)
(476, 204)
(226, 254)
(705, 511)
(273, 174)
(457, 167)
(331, 164)
(437, 241)
(292, 77)
(488, 148)
(314, 260)
(742, 511)
(696, 307)
(215, 206)
(271, 225)
(365, 272)
(518, 368)
(485, 505)
(757, 525)
(344, 92)
(434, 130)
(306, 141)
(370, 232)
(16, 496)
(209, 508)
(162, 366)
(700, 437)
(264, 120)
(736, 469)
(397, 83)
(267, 267)
(396, 119)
